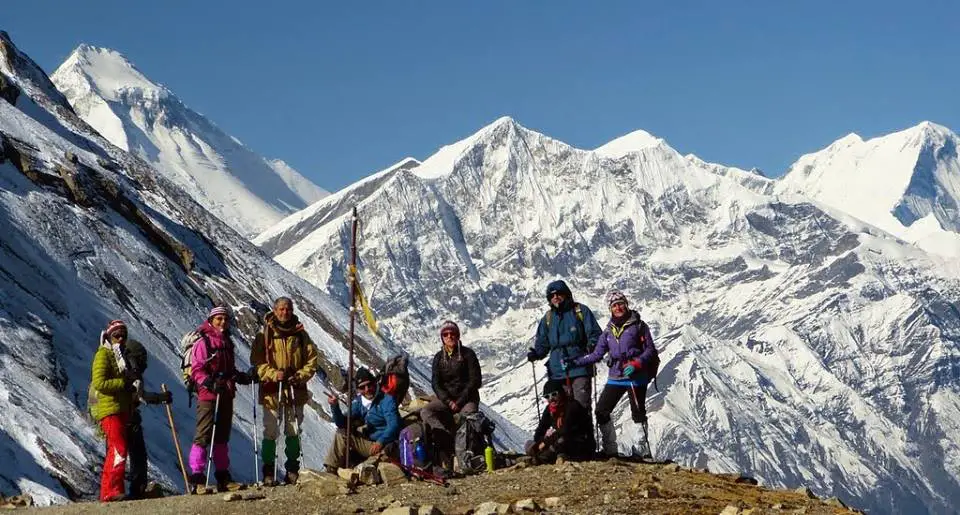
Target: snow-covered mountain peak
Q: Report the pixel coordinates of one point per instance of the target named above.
(632, 142)
(443, 161)
(892, 181)
(105, 71)
(141, 116)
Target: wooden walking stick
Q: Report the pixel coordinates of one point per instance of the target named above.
(176, 442)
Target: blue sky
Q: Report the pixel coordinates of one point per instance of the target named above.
(343, 89)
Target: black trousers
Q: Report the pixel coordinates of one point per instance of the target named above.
(136, 455)
(611, 395)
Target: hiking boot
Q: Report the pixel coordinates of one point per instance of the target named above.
(152, 491)
(268, 479)
(116, 498)
(292, 477)
(225, 482)
(330, 469)
(198, 484)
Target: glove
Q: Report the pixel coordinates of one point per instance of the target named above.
(158, 397)
(532, 355)
(630, 368)
(568, 363)
(210, 384)
(221, 386)
(242, 378)
(254, 376)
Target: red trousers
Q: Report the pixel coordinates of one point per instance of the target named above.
(114, 464)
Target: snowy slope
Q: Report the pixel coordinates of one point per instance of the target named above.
(92, 233)
(799, 344)
(138, 115)
(907, 183)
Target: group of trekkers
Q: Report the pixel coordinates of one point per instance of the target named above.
(284, 359)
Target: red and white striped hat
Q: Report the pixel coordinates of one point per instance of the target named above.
(115, 326)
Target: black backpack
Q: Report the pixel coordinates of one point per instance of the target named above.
(473, 436)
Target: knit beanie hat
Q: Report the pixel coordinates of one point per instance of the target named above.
(450, 325)
(616, 296)
(218, 310)
(115, 326)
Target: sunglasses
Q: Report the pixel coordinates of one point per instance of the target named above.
(448, 333)
(555, 294)
(551, 396)
(618, 305)
(118, 336)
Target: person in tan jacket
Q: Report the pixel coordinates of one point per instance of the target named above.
(285, 358)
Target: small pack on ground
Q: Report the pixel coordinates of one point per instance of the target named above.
(395, 377)
(473, 435)
(415, 447)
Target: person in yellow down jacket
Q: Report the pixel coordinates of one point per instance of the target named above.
(113, 385)
(285, 359)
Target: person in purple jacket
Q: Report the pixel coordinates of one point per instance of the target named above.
(633, 363)
(213, 370)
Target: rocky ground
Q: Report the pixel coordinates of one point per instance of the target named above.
(611, 487)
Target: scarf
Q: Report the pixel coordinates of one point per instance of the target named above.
(105, 341)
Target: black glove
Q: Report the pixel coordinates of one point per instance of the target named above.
(253, 375)
(242, 378)
(532, 355)
(569, 363)
(210, 383)
(292, 377)
(158, 398)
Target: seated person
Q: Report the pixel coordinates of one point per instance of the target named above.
(565, 429)
(456, 383)
(373, 409)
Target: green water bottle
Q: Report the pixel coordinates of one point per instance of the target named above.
(488, 455)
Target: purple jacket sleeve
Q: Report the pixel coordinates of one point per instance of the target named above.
(198, 360)
(597, 353)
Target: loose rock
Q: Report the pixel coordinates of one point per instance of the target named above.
(391, 474)
(254, 496)
(233, 496)
(527, 505)
(551, 502)
(399, 510)
(806, 492)
(650, 492)
(730, 510)
(492, 508)
(429, 509)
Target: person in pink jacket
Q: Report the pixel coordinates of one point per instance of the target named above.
(213, 370)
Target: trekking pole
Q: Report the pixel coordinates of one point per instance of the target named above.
(296, 428)
(213, 435)
(593, 412)
(536, 390)
(276, 447)
(176, 442)
(256, 452)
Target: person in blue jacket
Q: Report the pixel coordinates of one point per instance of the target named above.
(376, 422)
(567, 330)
